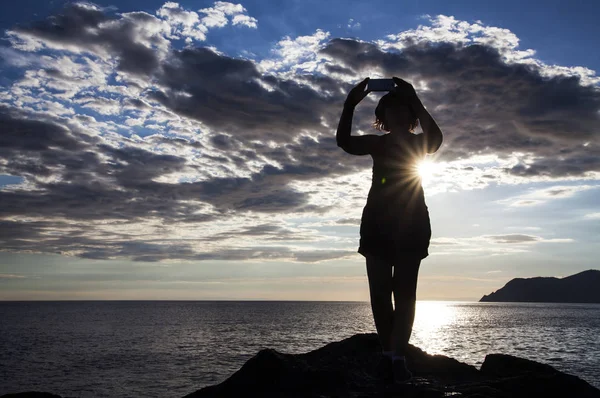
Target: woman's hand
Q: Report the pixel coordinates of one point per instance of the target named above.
(405, 90)
(431, 131)
(357, 94)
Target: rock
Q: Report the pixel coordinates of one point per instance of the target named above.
(347, 369)
(522, 377)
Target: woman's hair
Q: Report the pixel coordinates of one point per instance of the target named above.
(390, 100)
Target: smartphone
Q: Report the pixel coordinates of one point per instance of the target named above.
(380, 85)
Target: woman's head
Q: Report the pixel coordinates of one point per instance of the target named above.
(394, 113)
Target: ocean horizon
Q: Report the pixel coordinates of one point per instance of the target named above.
(170, 348)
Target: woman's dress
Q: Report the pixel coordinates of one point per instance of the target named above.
(395, 221)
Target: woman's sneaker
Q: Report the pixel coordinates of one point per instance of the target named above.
(400, 371)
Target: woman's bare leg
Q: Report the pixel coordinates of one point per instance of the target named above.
(379, 274)
(405, 298)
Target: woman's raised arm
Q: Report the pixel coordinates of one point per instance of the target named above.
(432, 134)
(357, 145)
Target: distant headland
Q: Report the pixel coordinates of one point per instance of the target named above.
(583, 287)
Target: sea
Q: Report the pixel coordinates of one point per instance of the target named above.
(172, 348)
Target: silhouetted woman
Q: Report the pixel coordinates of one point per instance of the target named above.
(395, 229)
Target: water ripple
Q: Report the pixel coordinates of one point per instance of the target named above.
(169, 349)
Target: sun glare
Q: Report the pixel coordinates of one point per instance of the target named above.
(426, 169)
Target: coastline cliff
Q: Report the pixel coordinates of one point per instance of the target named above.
(583, 287)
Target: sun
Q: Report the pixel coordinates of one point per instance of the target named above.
(426, 169)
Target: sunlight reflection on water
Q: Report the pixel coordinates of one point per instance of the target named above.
(433, 319)
(563, 335)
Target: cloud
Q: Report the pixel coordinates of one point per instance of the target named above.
(16, 58)
(97, 201)
(512, 238)
(193, 26)
(217, 15)
(522, 239)
(11, 276)
(520, 203)
(267, 232)
(539, 196)
(29, 135)
(244, 20)
(490, 245)
(441, 241)
(133, 144)
(183, 23)
(526, 228)
(353, 25)
(136, 39)
(223, 93)
(348, 221)
(299, 54)
(482, 100)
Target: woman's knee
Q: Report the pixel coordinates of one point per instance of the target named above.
(381, 295)
(378, 271)
(405, 280)
(379, 274)
(407, 295)
(405, 288)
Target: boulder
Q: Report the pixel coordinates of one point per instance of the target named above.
(348, 368)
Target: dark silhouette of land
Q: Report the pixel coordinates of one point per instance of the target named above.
(583, 287)
(347, 369)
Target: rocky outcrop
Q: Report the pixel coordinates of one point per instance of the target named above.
(583, 287)
(348, 369)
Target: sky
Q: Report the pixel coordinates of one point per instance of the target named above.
(186, 151)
